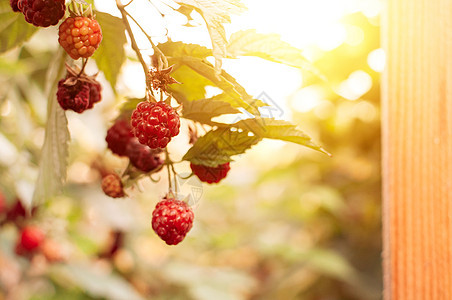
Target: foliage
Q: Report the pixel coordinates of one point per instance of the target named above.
(286, 224)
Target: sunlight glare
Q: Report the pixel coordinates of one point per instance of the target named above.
(356, 85)
(307, 98)
(377, 60)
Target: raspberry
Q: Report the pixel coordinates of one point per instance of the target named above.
(43, 13)
(118, 136)
(94, 93)
(3, 206)
(112, 186)
(78, 94)
(154, 124)
(142, 157)
(210, 174)
(13, 4)
(80, 36)
(172, 220)
(31, 238)
(74, 97)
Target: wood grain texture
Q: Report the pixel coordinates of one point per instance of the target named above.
(417, 149)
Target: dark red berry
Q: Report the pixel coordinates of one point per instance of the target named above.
(73, 96)
(18, 214)
(80, 36)
(112, 186)
(42, 13)
(172, 220)
(13, 4)
(31, 238)
(95, 94)
(3, 205)
(118, 137)
(154, 124)
(210, 174)
(142, 157)
(78, 93)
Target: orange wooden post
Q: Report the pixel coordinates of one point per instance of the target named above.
(417, 150)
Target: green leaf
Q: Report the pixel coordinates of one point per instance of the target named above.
(180, 49)
(14, 30)
(201, 73)
(204, 110)
(217, 146)
(269, 47)
(110, 55)
(276, 129)
(215, 14)
(53, 164)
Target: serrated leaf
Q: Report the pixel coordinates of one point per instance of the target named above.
(276, 129)
(110, 55)
(215, 14)
(217, 146)
(200, 74)
(204, 110)
(186, 11)
(269, 47)
(180, 49)
(14, 31)
(53, 164)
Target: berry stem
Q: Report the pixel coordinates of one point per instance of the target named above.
(162, 58)
(169, 167)
(84, 62)
(134, 45)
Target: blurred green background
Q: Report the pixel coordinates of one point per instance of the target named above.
(287, 223)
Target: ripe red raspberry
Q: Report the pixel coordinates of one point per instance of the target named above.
(112, 186)
(80, 36)
(43, 13)
(118, 137)
(210, 174)
(172, 220)
(154, 124)
(13, 4)
(31, 238)
(142, 157)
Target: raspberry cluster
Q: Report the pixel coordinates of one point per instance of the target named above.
(78, 94)
(172, 220)
(210, 174)
(42, 13)
(120, 140)
(80, 36)
(154, 124)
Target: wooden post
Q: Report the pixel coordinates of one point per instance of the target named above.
(417, 150)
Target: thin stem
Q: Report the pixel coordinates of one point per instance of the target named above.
(84, 63)
(174, 176)
(168, 167)
(128, 3)
(154, 47)
(124, 14)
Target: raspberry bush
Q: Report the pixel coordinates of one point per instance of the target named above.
(173, 132)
